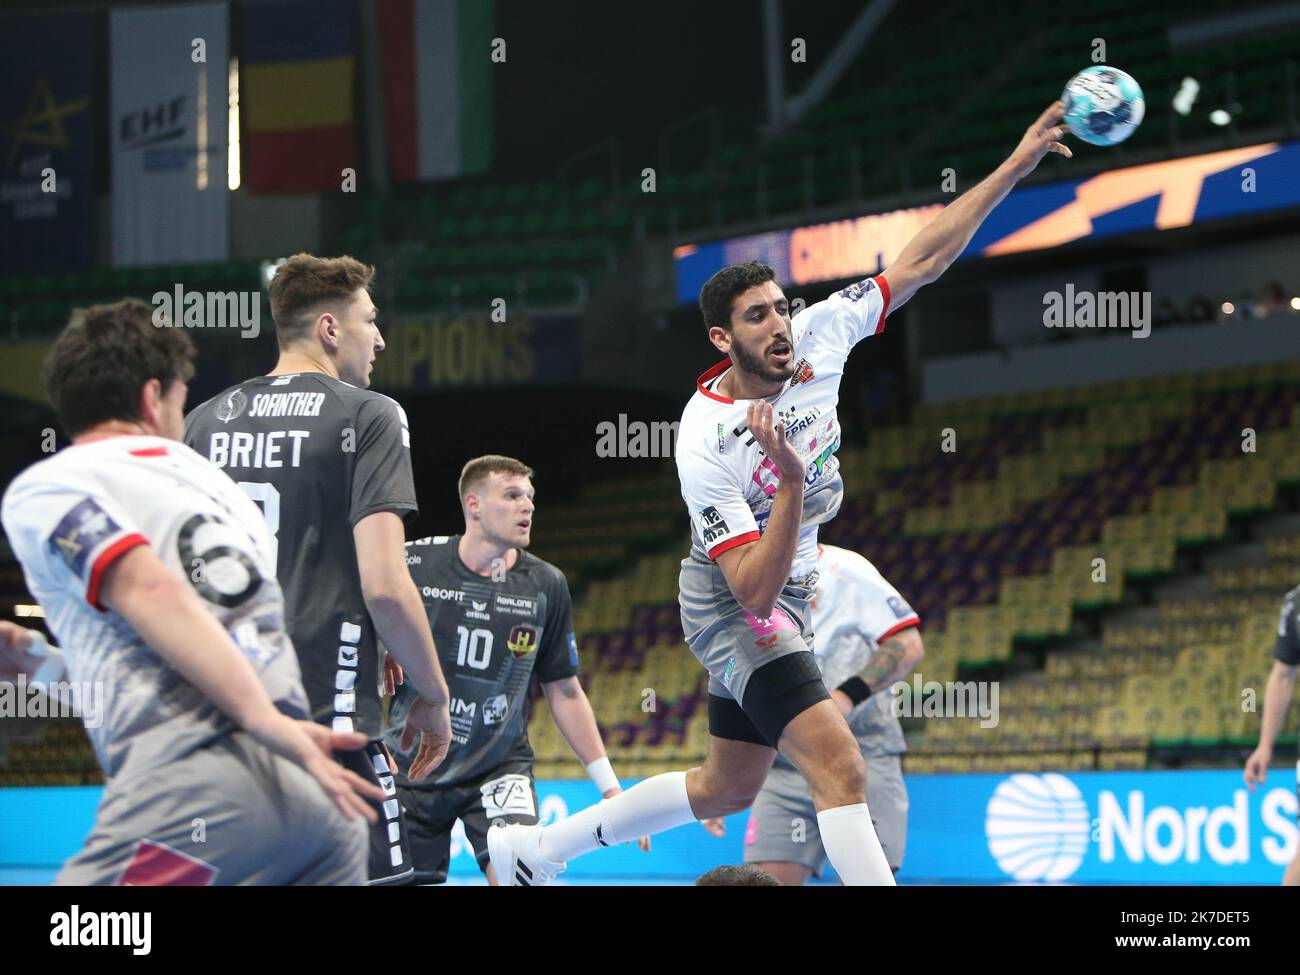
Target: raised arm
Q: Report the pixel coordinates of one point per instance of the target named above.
(933, 250)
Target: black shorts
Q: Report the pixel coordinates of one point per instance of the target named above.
(390, 848)
(506, 795)
(777, 693)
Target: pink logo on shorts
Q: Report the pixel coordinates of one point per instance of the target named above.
(751, 830)
(766, 630)
(158, 865)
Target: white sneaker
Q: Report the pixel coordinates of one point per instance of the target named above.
(516, 856)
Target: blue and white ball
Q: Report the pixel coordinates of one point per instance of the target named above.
(1103, 105)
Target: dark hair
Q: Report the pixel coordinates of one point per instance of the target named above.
(304, 283)
(744, 876)
(720, 290)
(105, 355)
(476, 471)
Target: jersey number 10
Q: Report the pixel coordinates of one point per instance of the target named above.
(475, 648)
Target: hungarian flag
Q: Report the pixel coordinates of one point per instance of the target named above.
(436, 58)
(297, 67)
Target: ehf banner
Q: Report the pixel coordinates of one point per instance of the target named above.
(48, 67)
(168, 135)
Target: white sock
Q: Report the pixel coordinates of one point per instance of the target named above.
(649, 807)
(853, 848)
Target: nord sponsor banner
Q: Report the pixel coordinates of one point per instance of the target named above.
(1156, 196)
(48, 68)
(167, 121)
(1185, 827)
(436, 352)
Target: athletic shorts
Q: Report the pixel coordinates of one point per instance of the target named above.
(229, 813)
(783, 821)
(505, 795)
(762, 672)
(390, 849)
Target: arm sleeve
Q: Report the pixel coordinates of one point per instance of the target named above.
(882, 609)
(720, 516)
(557, 658)
(381, 475)
(847, 317)
(1287, 648)
(69, 533)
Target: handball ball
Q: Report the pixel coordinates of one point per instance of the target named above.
(1103, 105)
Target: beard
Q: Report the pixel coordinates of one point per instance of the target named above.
(757, 365)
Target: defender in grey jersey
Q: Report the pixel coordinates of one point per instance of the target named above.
(328, 462)
(867, 638)
(155, 573)
(500, 617)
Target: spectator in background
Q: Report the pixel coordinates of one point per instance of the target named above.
(1166, 313)
(1273, 302)
(1200, 310)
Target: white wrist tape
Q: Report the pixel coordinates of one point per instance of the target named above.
(602, 773)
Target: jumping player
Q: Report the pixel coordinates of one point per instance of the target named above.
(329, 463)
(756, 458)
(1277, 701)
(156, 574)
(500, 616)
(867, 638)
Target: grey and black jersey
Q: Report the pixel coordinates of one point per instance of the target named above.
(317, 455)
(1287, 648)
(493, 636)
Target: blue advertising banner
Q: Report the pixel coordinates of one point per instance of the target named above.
(1156, 196)
(47, 149)
(1179, 827)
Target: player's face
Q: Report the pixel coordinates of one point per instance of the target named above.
(761, 341)
(505, 509)
(359, 340)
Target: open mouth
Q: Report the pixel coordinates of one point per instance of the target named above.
(779, 351)
(524, 525)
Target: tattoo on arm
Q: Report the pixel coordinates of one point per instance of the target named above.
(886, 665)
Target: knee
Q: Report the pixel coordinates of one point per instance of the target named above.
(719, 795)
(842, 779)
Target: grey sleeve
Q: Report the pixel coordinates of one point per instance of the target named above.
(381, 475)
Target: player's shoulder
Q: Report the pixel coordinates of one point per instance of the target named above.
(544, 572)
(431, 550)
(852, 563)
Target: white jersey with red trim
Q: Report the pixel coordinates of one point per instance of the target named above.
(854, 610)
(728, 483)
(71, 516)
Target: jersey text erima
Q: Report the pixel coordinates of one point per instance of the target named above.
(493, 637)
(727, 481)
(317, 455)
(71, 517)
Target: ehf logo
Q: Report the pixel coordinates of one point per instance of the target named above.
(1037, 827)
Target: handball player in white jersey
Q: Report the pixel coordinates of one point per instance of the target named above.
(156, 576)
(756, 459)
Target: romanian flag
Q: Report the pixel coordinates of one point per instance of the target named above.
(297, 68)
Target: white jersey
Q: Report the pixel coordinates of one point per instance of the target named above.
(70, 517)
(727, 481)
(855, 609)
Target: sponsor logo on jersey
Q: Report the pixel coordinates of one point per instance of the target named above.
(478, 607)
(515, 605)
(80, 531)
(900, 608)
(476, 611)
(494, 709)
(412, 559)
(523, 640)
(573, 651)
(855, 291)
(287, 404)
(729, 672)
(713, 525)
(232, 406)
(803, 372)
(433, 592)
(722, 439)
